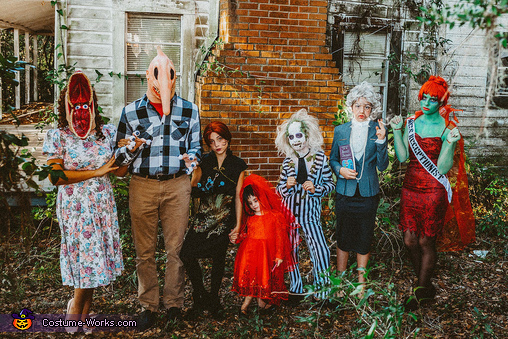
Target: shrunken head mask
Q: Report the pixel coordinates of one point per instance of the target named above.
(161, 81)
(79, 105)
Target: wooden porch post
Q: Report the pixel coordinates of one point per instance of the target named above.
(17, 90)
(35, 60)
(1, 101)
(27, 68)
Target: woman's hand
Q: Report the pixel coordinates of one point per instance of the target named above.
(348, 173)
(381, 130)
(396, 122)
(278, 262)
(123, 142)
(106, 168)
(233, 235)
(309, 186)
(291, 182)
(453, 135)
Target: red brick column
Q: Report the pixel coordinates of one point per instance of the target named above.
(273, 62)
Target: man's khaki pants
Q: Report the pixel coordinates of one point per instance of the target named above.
(149, 201)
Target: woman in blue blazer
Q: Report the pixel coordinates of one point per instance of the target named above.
(359, 148)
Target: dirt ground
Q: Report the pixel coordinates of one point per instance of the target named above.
(471, 302)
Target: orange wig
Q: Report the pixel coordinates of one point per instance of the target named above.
(436, 87)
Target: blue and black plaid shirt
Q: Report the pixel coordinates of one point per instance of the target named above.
(171, 135)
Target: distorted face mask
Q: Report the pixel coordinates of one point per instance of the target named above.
(297, 138)
(79, 105)
(161, 81)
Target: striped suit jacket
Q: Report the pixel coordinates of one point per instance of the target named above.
(306, 206)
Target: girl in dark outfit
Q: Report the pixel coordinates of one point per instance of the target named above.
(216, 214)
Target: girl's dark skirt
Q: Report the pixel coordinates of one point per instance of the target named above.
(356, 218)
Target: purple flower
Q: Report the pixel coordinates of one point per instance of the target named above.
(87, 235)
(88, 144)
(101, 187)
(69, 190)
(88, 270)
(115, 244)
(78, 206)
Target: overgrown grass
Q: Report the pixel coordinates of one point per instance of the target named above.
(32, 279)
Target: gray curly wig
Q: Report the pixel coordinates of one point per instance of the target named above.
(310, 126)
(364, 90)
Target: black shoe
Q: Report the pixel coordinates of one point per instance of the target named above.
(411, 304)
(174, 314)
(145, 320)
(197, 309)
(294, 300)
(215, 308)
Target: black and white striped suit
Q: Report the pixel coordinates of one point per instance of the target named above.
(306, 208)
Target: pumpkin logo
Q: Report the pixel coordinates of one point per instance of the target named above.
(23, 320)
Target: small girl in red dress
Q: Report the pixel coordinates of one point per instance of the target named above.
(265, 251)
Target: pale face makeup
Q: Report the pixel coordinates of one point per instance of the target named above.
(361, 109)
(297, 138)
(254, 204)
(218, 144)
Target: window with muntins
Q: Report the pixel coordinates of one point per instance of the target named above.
(144, 33)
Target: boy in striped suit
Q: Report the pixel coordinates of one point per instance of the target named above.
(305, 178)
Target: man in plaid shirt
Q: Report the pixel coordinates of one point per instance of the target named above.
(159, 188)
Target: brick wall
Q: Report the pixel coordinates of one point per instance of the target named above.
(272, 63)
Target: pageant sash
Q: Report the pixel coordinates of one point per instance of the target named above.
(424, 159)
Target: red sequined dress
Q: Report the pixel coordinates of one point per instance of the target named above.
(265, 239)
(423, 200)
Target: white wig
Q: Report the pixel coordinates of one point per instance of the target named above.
(364, 90)
(310, 126)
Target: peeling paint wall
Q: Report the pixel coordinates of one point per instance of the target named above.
(465, 65)
(96, 41)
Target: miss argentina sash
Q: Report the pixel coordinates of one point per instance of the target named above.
(424, 159)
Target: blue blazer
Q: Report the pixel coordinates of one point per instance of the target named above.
(376, 155)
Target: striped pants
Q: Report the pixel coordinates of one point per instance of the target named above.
(319, 255)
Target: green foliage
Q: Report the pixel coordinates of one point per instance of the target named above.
(341, 117)
(489, 199)
(481, 14)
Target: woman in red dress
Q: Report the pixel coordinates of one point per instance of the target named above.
(429, 142)
(265, 251)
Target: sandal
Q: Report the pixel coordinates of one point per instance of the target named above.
(70, 329)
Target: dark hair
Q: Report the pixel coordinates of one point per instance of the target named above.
(62, 118)
(248, 191)
(219, 128)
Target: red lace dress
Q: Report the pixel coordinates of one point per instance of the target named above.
(255, 273)
(423, 200)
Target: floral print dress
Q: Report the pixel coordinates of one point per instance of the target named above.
(90, 253)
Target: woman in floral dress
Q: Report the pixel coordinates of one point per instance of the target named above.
(82, 148)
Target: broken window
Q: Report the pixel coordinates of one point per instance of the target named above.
(144, 33)
(501, 81)
(364, 55)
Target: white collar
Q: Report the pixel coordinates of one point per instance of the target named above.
(357, 123)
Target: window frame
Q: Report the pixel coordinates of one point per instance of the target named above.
(142, 74)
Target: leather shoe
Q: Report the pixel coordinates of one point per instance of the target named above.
(146, 319)
(174, 314)
(294, 299)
